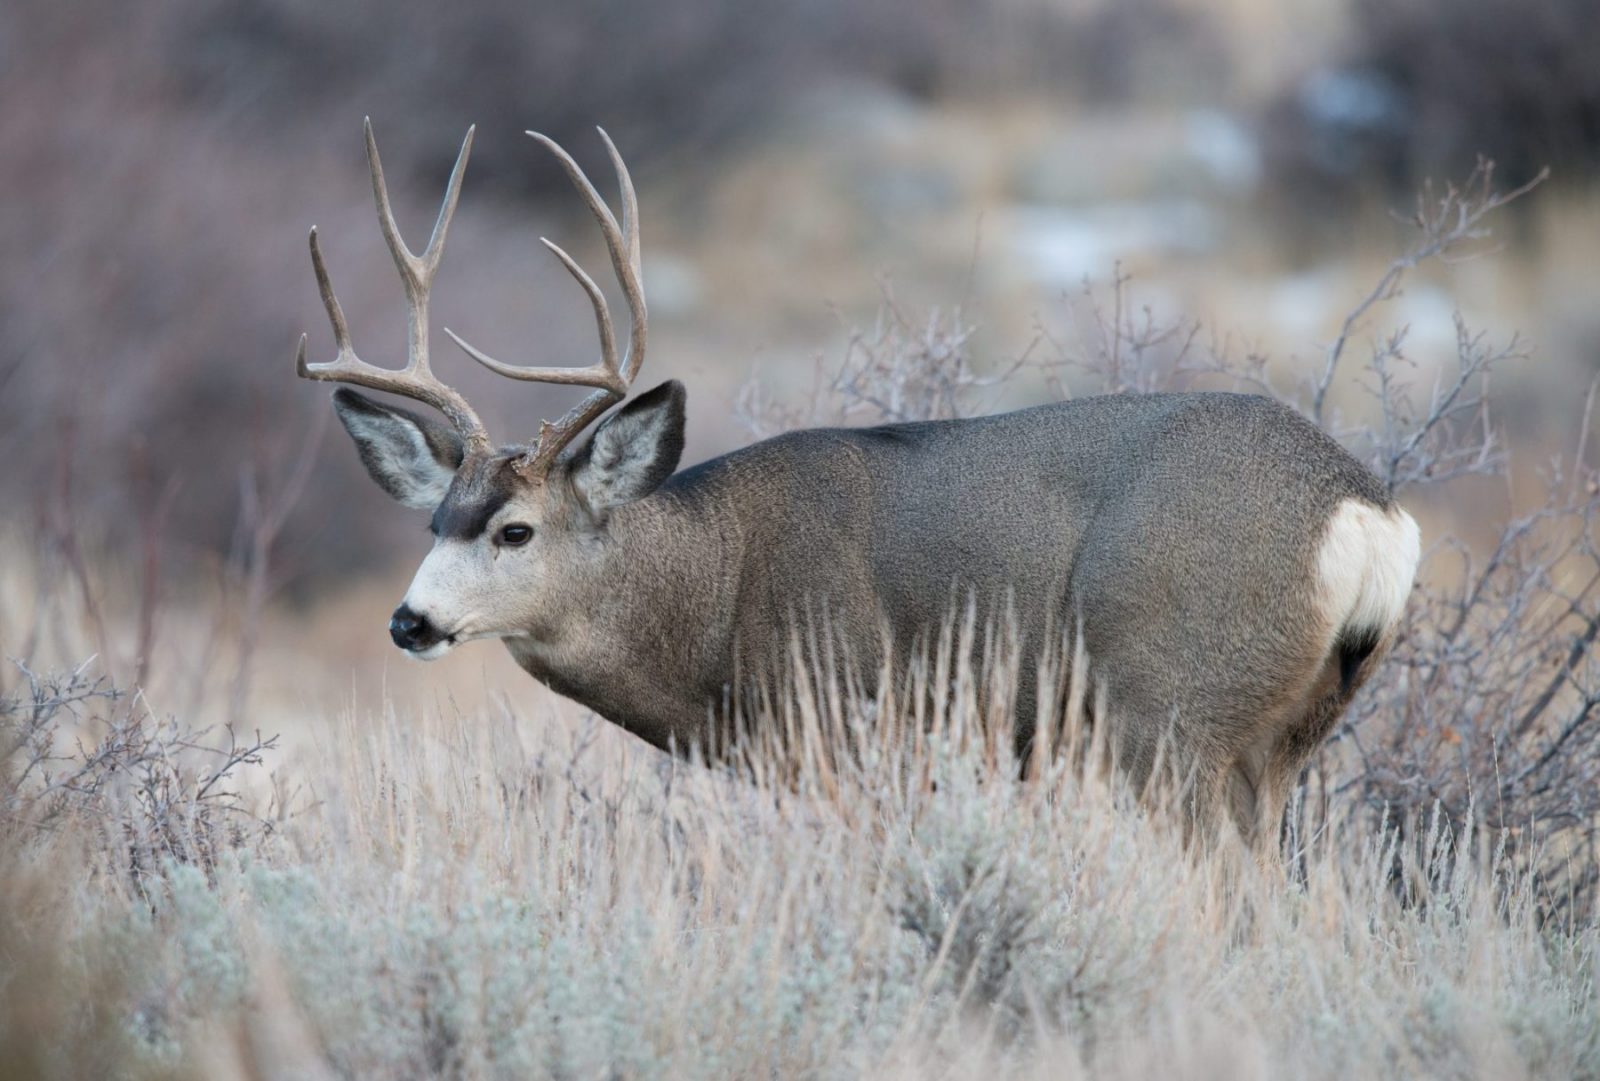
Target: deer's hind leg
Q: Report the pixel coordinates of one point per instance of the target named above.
(1343, 672)
(1263, 768)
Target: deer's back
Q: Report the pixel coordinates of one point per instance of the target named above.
(1169, 492)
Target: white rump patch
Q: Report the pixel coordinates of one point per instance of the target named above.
(1366, 565)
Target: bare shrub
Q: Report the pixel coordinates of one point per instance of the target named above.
(74, 751)
(1115, 346)
(1490, 696)
(1488, 706)
(903, 369)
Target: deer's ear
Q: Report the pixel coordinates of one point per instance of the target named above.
(633, 450)
(411, 457)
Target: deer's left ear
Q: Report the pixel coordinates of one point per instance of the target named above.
(633, 451)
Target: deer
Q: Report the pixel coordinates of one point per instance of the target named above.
(1233, 574)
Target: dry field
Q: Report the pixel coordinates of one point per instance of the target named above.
(493, 895)
(409, 873)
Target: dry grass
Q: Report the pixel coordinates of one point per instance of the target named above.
(481, 896)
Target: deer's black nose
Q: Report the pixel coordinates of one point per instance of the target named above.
(411, 631)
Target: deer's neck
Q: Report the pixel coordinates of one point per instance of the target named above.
(649, 651)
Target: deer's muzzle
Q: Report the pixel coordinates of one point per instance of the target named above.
(412, 632)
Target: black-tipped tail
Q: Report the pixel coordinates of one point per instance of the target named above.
(1354, 646)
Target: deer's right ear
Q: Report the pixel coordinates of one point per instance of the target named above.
(411, 457)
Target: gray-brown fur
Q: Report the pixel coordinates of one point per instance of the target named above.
(1179, 531)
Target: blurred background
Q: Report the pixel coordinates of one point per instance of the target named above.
(171, 487)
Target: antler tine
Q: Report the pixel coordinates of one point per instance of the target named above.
(416, 380)
(416, 270)
(609, 376)
(622, 242)
(341, 329)
(632, 286)
(630, 200)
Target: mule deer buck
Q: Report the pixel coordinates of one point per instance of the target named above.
(1233, 574)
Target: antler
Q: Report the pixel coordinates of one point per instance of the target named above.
(609, 376)
(416, 380)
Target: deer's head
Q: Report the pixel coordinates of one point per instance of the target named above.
(519, 531)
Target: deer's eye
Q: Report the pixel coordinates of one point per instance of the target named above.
(515, 535)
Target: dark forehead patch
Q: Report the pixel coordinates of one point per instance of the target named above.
(477, 493)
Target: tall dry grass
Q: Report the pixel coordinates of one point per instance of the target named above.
(482, 896)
